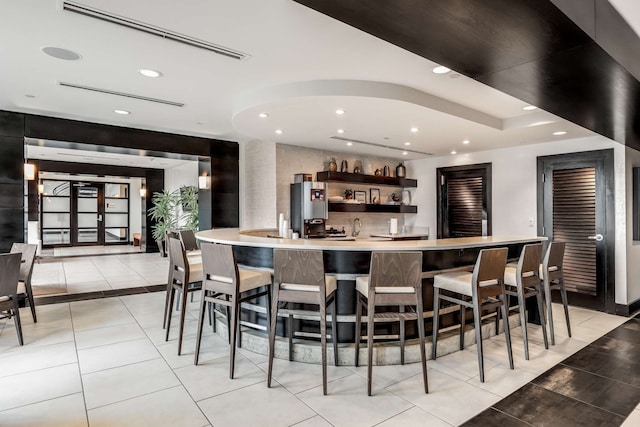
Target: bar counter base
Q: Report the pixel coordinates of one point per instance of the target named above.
(384, 353)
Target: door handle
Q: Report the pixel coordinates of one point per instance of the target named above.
(100, 219)
(597, 237)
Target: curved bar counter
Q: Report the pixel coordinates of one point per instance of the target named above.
(348, 258)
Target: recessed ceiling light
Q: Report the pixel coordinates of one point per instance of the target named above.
(466, 141)
(279, 131)
(263, 115)
(404, 153)
(441, 69)
(349, 144)
(149, 73)
(340, 130)
(560, 132)
(529, 108)
(340, 112)
(407, 143)
(124, 112)
(453, 152)
(60, 53)
(414, 130)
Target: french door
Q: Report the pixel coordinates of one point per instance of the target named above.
(87, 219)
(576, 206)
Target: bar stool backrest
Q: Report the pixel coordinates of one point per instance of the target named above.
(552, 264)
(529, 264)
(28, 256)
(219, 268)
(9, 272)
(299, 267)
(178, 264)
(488, 273)
(400, 270)
(188, 239)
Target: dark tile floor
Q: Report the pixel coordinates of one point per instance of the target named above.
(597, 386)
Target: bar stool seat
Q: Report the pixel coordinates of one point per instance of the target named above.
(331, 284)
(477, 290)
(362, 286)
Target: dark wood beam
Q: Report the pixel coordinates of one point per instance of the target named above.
(528, 49)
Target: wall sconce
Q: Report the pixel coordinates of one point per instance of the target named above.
(29, 171)
(40, 187)
(143, 191)
(204, 182)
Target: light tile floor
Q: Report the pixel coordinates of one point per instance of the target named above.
(78, 274)
(104, 362)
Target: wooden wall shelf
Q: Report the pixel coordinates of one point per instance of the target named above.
(368, 207)
(359, 178)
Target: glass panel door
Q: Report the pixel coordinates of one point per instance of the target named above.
(88, 225)
(55, 205)
(116, 213)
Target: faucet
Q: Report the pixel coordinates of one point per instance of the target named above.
(357, 221)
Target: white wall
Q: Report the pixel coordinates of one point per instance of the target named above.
(632, 247)
(258, 189)
(514, 191)
(185, 175)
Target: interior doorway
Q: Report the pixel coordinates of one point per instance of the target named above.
(576, 206)
(464, 201)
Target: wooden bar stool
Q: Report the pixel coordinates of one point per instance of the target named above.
(299, 278)
(477, 291)
(523, 281)
(552, 276)
(184, 277)
(225, 284)
(395, 279)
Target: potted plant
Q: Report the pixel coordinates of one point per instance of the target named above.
(189, 203)
(164, 213)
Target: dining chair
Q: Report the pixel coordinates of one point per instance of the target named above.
(28, 252)
(9, 273)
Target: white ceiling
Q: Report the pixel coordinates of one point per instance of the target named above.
(302, 67)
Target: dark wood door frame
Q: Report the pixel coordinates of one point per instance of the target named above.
(74, 241)
(485, 170)
(607, 211)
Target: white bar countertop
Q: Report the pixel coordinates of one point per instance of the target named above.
(258, 238)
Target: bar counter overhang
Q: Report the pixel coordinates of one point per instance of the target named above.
(347, 259)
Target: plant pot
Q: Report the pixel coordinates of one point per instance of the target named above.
(161, 246)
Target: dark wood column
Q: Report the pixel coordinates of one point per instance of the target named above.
(12, 224)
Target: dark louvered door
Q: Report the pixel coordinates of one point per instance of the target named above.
(464, 201)
(575, 211)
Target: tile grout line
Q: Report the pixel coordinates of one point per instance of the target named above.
(598, 375)
(75, 346)
(166, 362)
(509, 415)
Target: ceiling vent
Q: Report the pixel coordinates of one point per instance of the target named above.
(358, 141)
(126, 95)
(150, 29)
